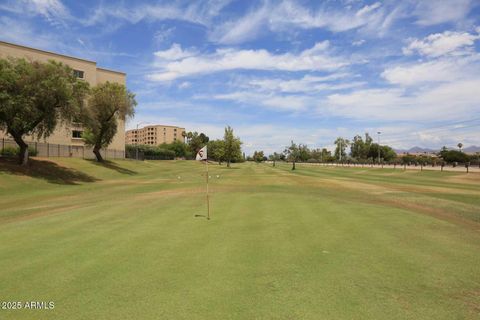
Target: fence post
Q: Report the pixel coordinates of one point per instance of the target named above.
(48, 150)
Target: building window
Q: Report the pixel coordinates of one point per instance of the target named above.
(79, 74)
(77, 134)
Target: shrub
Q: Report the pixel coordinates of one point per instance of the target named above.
(9, 152)
(14, 151)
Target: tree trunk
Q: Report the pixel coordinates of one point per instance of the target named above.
(293, 167)
(23, 154)
(228, 163)
(96, 151)
(274, 163)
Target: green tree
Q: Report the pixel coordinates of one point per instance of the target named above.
(108, 103)
(196, 141)
(360, 148)
(216, 150)
(451, 156)
(275, 157)
(180, 149)
(303, 153)
(357, 147)
(341, 146)
(232, 146)
(292, 153)
(35, 97)
(386, 152)
(366, 146)
(258, 156)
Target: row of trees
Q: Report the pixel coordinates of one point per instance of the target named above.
(226, 150)
(36, 97)
(362, 150)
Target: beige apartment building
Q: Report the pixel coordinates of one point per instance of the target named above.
(83, 69)
(155, 135)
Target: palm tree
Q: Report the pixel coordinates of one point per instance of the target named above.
(460, 145)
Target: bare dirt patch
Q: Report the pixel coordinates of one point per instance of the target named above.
(431, 211)
(471, 179)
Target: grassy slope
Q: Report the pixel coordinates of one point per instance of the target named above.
(317, 243)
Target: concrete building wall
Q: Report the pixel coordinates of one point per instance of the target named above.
(64, 134)
(155, 135)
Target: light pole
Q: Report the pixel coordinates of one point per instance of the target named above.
(379, 133)
(136, 138)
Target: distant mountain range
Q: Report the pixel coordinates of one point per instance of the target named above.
(471, 149)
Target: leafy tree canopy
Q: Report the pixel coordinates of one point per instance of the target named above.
(108, 103)
(35, 96)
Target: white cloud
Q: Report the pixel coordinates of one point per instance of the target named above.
(440, 70)
(174, 53)
(23, 33)
(243, 29)
(163, 34)
(437, 12)
(184, 85)
(282, 16)
(194, 12)
(307, 84)
(52, 10)
(313, 59)
(440, 44)
(358, 42)
(269, 100)
(449, 101)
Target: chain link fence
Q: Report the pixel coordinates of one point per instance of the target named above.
(44, 149)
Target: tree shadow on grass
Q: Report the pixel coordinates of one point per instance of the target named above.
(47, 170)
(113, 166)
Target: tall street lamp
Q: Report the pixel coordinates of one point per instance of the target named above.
(379, 133)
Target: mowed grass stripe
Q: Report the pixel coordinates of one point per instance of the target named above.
(449, 202)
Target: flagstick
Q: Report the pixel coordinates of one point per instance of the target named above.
(208, 200)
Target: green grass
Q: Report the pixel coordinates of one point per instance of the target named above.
(121, 241)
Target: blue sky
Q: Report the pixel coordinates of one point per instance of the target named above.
(276, 71)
